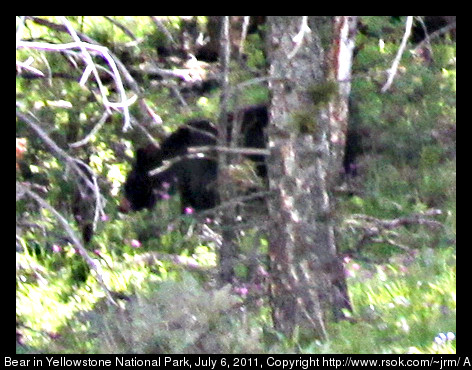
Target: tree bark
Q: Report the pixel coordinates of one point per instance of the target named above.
(228, 249)
(339, 66)
(308, 282)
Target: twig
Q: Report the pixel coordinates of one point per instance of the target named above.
(121, 27)
(146, 108)
(26, 65)
(163, 29)
(225, 149)
(236, 89)
(93, 132)
(237, 200)
(19, 30)
(197, 152)
(170, 162)
(178, 95)
(393, 70)
(435, 34)
(184, 74)
(145, 132)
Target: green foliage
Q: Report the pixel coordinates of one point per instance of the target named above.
(384, 27)
(254, 49)
(174, 316)
(409, 132)
(159, 265)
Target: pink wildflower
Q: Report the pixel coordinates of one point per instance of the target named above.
(189, 210)
(56, 248)
(135, 243)
(242, 291)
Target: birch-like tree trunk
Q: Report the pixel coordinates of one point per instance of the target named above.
(339, 65)
(228, 249)
(308, 284)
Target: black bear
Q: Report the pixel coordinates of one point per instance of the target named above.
(193, 177)
(434, 23)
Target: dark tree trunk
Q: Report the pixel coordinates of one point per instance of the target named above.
(308, 284)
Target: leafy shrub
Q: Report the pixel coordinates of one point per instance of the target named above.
(176, 317)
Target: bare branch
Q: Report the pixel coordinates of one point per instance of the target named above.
(19, 30)
(198, 152)
(225, 149)
(92, 133)
(377, 230)
(26, 65)
(435, 34)
(65, 224)
(87, 59)
(163, 29)
(238, 200)
(298, 38)
(114, 63)
(145, 132)
(57, 151)
(121, 27)
(125, 102)
(184, 74)
(99, 200)
(416, 218)
(77, 166)
(393, 70)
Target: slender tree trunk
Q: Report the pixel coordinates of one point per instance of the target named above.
(308, 283)
(228, 250)
(339, 66)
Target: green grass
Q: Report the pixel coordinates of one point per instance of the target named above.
(400, 306)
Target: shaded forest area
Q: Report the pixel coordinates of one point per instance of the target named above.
(113, 259)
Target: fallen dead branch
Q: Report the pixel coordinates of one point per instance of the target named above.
(374, 230)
